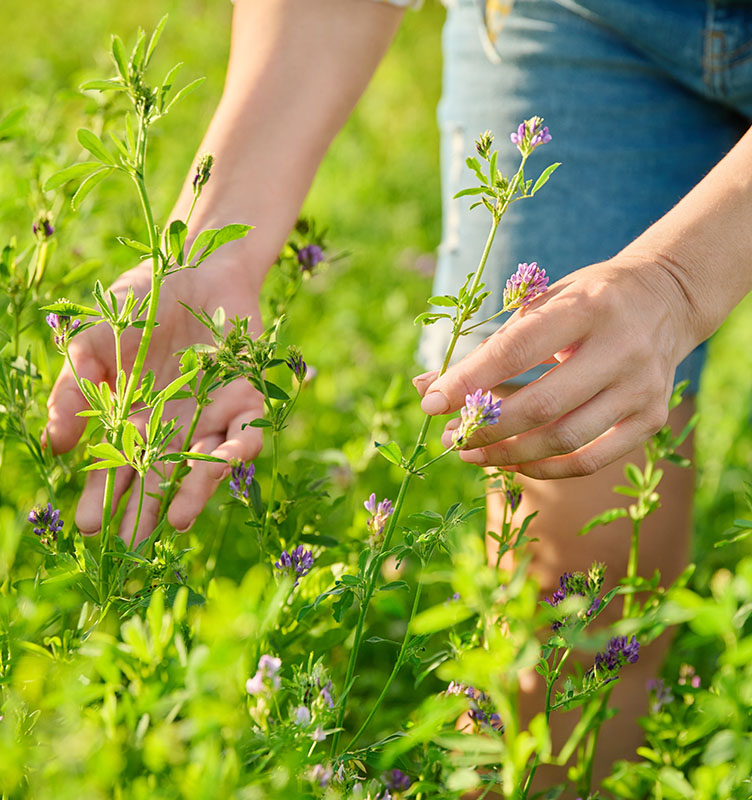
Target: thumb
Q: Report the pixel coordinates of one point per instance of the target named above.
(64, 428)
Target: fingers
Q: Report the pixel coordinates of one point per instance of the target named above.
(612, 445)
(565, 435)
(64, 428)
(204, 477)
(89, 510)
(525, 341)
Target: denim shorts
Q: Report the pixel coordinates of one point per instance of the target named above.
(642, 98)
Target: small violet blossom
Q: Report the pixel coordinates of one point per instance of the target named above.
(203, 171)
(396, 781)
(296, 364)
(479, 411)
(620, 651)
(379, 514)
(302, 716)
(42, 227)
(63, 327)
(321, 775)
(481, 710)
(299, 561)
(241, 478)
(577, 584)
(660, 694)
(529, 135)
(309, 256)
(266, 674)
(526, 284)
(47, 523)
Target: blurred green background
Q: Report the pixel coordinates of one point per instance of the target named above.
(378, 194)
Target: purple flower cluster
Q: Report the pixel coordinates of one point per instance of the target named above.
(660, 694)
(267, 673)
(577, 584)
(479, 410)
(42, 227)
(299, 561)
(63, 327)
(526, 284)
(379, 514)
(296, 364)
(530, 134)
(321, 775)
(396, 781)
(241, 478)
(203, 171)
(309, 256)
(47, 523)
(620, 651)
(481, 710)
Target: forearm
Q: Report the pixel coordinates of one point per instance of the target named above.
(705, 242)
(296, 69)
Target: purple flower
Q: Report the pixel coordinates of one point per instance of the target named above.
(302, 715)
(482, 711)
(321, 774)
(379, 514)
(529, 135)
(296, 364)
(326, 694)
(42, 227)
(620, 651)
(309, 256)
(526, 284)
(479, 410)
(514, 496)
(203, 171)
(299, 561)
(660, 694)
(62, 325)
(241, 478)
(47, 523)
(267, 673)
(577, 584)
(396, 781)
(687, 675)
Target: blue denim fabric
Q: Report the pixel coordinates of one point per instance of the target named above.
(642, 97)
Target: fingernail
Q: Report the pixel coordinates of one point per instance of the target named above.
(435, 403)
(187, 527)
(474, 457)
(426, 377)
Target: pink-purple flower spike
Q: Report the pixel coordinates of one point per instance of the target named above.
(479, 410)
(526, 284)
(530, 134)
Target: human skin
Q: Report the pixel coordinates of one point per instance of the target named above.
(619, 327)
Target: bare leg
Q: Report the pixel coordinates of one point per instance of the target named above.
(564, 506)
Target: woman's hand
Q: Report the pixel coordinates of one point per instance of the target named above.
(218, 282)
(614, 332)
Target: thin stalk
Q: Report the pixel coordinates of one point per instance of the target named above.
(593, 739)
(406, 478)
(397, 666)
(178, 474)
(634, 550)
(272, 488)
(138, 510)
(109, 493)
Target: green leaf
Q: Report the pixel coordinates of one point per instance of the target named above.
(82, 270)
(276, 392)
(179, 382)
(545, 175)
(342, 605)
(154, 40)
(466, 192)
(106, 450)
(634, 475)
(95, 146)
(139, 247)
(176, 237)
(70, 173)
(256, 423)
(87, 185)
(603, 519)
(189, 455)
(391, 452)
(69, 309)
(118, 55)
(212, 239)
(443, 300)
(109, 85)
(184, 92)
(392, 585)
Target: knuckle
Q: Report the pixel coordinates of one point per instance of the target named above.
(564, 439)
(655, 417)
(511, 354)
(585, 464)
(541, 407)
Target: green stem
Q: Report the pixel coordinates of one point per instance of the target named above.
(592, 739)
(109, 493)
(373, 571)
(138, 510)
(634, 549)
(272, 489)
(179, 472)
(397, 666)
